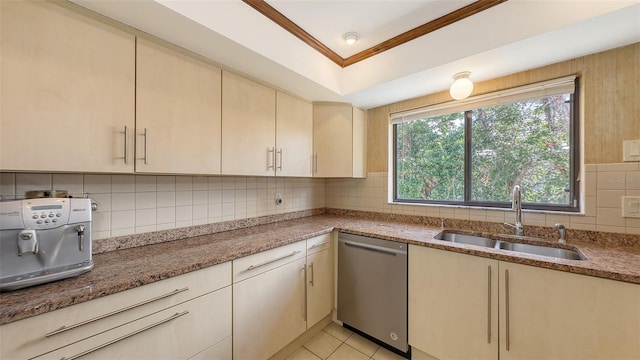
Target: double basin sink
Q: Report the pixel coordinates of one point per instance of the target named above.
(541, 250)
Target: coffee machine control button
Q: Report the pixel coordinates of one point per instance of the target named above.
(47, 221)
(35, 216)
(51, 215)
(39, 221)
(43, 216)
(58, 214)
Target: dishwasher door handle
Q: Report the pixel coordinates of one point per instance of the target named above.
(380, 249)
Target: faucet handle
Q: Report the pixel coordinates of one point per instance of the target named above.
(562, 232)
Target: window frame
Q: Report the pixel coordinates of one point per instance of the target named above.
(574, 166)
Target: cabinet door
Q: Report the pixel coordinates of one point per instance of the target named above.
(67, 91)
(453, 304)
(178, 101)
(333, 140)
(319, 286)
(268, 311)
(179, 332)
(558, 315)
(359, 143)
(249, 127)
(294, 136)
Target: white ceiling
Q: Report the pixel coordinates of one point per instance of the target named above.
(510, 37)
(374, 21)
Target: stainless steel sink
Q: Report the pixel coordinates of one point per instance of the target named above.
(466, 239)
(540, 250)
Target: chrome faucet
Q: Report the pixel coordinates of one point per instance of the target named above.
(516, 205)
(562, 231)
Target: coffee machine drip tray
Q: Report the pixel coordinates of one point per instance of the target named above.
(44, 276)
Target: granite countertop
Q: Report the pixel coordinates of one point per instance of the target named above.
(120, 270)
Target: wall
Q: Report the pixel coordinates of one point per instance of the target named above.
(130, 204)
(609, 94)
(609, 101)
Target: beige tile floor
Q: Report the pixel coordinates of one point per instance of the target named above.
(337, 343)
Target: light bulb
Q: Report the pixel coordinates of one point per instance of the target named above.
(350, 38)
(462, 87)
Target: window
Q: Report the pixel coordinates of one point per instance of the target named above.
(473, 152)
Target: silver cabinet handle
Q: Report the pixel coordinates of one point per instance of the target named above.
(374, 248)
(86, 352)
(506, 302)
(273, 260)
(146, 146)
(271, 158)
(489, 305)
(66, 328)
(280, 158)
(315, 163)
(126, 144)
(312, 277)
(304, 303)
(319, 244)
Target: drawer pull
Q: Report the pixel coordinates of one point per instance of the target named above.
(82, 323)
(172, 317)
(489, 305)
(319, 244)
(273, 260)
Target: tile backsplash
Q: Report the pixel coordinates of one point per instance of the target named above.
(131, 204)
(604, 186)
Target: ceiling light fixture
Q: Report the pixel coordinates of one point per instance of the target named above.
(462, 86)
(350, 38)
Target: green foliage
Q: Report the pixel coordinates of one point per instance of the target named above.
(525, 142)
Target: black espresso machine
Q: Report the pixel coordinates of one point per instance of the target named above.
(43, 240)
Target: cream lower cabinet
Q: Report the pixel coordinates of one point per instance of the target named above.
(548, 314)
(67, 91)
(542, 313)
(339, 140)
(178, 105)
(269, 307)
(453, 304)
(178, 318)
(319, 278)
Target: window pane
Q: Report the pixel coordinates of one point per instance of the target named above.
(526, 143)
(430, 158)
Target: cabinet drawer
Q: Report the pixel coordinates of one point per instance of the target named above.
(255, 264)
(179, 332)
(28, 338)
(318, 243)
(219, 351)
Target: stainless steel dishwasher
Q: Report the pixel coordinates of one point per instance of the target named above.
(372, 288)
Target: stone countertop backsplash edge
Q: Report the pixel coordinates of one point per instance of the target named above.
(143, 259)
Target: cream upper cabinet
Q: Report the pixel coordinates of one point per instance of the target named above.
(294, 136)
(67, 91)
(249, 127)
(453, 304)
(178, 112)
(548, 314)
(339, 140)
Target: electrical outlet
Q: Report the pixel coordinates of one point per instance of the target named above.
(278, 198)
(631, 150)
(631, 206)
